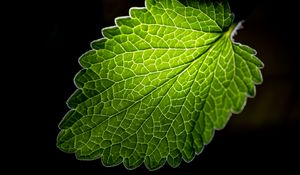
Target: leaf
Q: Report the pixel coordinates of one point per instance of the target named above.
(158, 84)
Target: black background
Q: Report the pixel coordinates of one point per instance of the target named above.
(54, 34)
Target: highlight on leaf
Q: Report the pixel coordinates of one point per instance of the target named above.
(158, 84)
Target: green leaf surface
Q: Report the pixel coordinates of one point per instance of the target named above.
(158, 85)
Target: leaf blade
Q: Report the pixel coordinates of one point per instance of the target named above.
(157, 85)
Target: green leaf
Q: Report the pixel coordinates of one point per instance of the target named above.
(158, 85)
